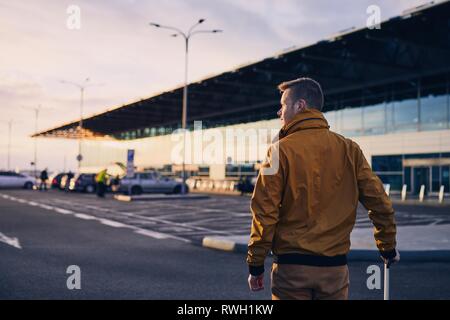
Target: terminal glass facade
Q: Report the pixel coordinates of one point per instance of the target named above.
(418, 108)
(429, 169)
(429, 112)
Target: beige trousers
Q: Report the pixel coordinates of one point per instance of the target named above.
(299, 282)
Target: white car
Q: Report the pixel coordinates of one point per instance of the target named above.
(149, 182)
(10, 179)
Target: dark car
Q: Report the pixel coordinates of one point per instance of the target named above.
(55, 181)
(84, 182)
(246, 185)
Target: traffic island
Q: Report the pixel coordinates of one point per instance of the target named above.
(155, 197)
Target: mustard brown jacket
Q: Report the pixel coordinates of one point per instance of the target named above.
(307, 205)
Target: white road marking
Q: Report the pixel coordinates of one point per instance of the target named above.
(196, 209)
(85, 216)
(171, 223)
(62, 201)
(47, 207)
(157, 235)
(107, 222)
(151, 234)
(435, 222)
(63, 211)
(114, 224)
(14, 242)
(97, 208)
(200, 221)
(158, 219)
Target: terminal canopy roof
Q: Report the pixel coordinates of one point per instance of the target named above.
(356, 67)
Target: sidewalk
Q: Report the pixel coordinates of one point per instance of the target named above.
(415, 243)
(396, 199)
(414, 200)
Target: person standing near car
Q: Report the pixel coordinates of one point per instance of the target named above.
(305, 201)
(44, 178)
(100, 179)
(115, 183)
(69, 177)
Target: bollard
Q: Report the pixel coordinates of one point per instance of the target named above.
(441, 194)
(422, 193)
(404, 188)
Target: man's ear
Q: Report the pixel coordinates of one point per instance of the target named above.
(300, 106)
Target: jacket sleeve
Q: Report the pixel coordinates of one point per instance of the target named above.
(377, 202)
(265, 206)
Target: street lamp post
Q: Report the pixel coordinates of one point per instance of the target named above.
(82, 86)
(10, 122)
(8, 163)
(186, 36)
(8, 146)
(36, 110)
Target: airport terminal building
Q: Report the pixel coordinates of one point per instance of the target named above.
(387, 89)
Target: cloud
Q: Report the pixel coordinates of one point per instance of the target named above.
(17, 88)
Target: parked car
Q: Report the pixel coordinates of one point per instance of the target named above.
(84, 182)
(10, 179)
(246, 185)
(149, 182)
(55, 181)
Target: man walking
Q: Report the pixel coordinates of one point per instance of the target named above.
(305, 200)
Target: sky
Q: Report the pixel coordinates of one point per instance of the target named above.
(127, 60)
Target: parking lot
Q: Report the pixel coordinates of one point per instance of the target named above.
(151, 249)
(189, 220)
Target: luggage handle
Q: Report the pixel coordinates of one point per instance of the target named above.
(386, 282)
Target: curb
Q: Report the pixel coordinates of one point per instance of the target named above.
(353, 255)
(127, 198)
(216, 192)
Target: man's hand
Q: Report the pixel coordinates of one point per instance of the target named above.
(390, 257)
(256, 283)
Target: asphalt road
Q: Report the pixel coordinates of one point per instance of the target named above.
(117, 262)
(191, 220)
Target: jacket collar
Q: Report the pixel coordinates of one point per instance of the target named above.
(308, 119)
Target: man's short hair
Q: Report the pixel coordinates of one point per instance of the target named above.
(306, 89)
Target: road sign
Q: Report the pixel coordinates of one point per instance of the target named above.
(130, 163)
